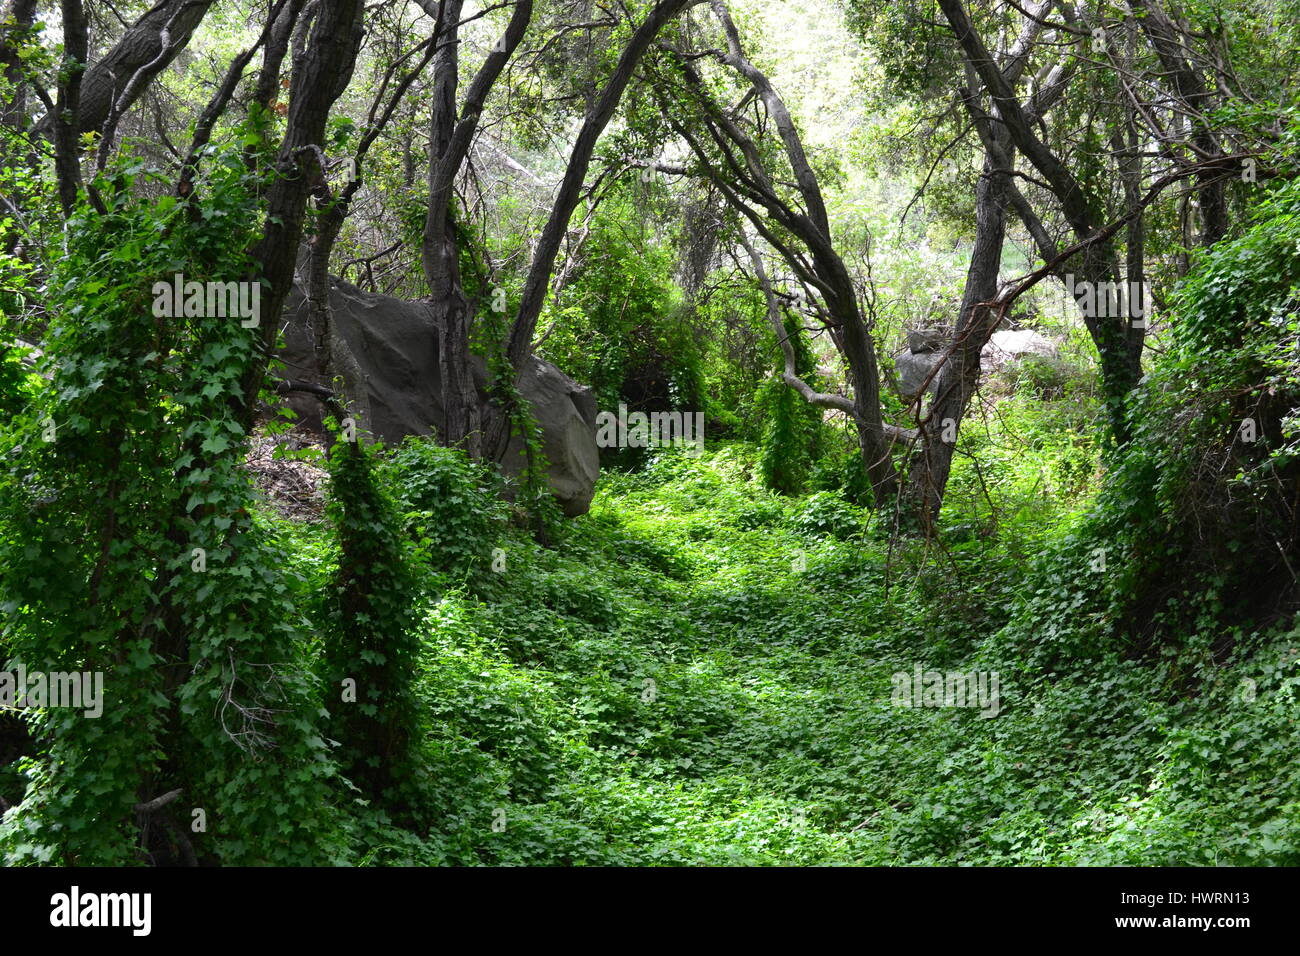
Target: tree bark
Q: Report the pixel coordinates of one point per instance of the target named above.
(330, 223)
(450, 137)
(960, 372)
(18, 17)
(67, 108)
(1118, 341)
(323, 75)
(140, 49)
(277, 45)
(220, 100)
(1164, 37)
(746, 183)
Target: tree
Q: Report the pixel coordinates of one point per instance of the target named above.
(796, 225)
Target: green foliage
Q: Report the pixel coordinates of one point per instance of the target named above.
(1044, 375)
(700, 671)
(841, 469)
(113, 477)
(17, 387)
(675, 686)
(1208, 482)
(450, 505)
(371, 644)
(792, 430)
(737, 351)
(826, 513)
(619, 322)
(532, 491)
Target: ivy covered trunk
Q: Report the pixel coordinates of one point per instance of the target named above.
(372, 645)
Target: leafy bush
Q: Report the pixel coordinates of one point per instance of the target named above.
(1046, 376)
(1208, 483)
(450, 505)
(622, 331)
(827, 514)
(793, 427)
(127, 546)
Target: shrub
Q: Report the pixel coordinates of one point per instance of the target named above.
(449, 504)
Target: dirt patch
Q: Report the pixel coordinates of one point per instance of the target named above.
(295, 488)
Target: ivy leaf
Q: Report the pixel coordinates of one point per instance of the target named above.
(215, 444)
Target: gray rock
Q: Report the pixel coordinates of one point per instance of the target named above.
(386, 351)
(920, 341)
(925, 347)
(913, 368)
(566, 412)
(1003, 347)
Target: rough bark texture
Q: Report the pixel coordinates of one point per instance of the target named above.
(277, 45)
(959, 374)
(440, 253)
(67, 160)
(319, 78)
(19, 15)
(141, 48)
(1164, 37)
(330, 357)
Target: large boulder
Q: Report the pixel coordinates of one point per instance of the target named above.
(566, 412)
(925, 348)
(386, 352)
(913, 369)
(924, 340)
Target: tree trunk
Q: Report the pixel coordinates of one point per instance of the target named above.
(1118, 342)
(450, 137)
(140, 49)
(324, 75)
(440, 253)
(1189, 85)
(753, 193)
(67, 108)
(277, 45)
(19, 15)
(959, 374)
(17, 18)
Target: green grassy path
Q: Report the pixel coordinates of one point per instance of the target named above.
(701, 674)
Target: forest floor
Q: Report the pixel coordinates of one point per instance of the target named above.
(704, 673)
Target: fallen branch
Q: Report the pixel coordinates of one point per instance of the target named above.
(326, 395)
(157, 803)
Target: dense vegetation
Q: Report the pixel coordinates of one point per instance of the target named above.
(323, 645)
